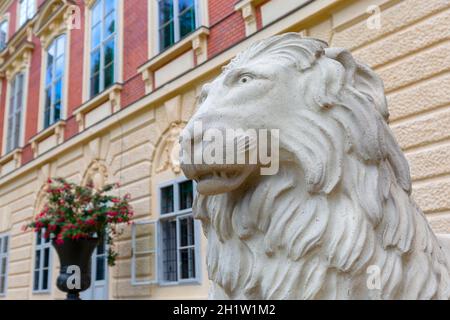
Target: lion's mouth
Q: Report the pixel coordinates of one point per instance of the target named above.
(216, 179)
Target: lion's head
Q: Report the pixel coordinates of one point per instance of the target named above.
(341, 199)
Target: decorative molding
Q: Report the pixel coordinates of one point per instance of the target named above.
(12, 160)
(52, 20)
(247, 8)
(97, 174)
(197, 41)
(111, 94)
(89, 3)
(19, 60)
(57, 129)
(168, 155)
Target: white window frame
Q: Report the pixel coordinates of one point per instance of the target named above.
(30, 7)
(135, 254)
(52, 85)
(13, 110)
(41, 247)
(4, 254)
(101, 47)
(3, 23)
(176, 22)
(157, 250)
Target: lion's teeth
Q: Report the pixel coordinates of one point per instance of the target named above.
(223, 174)
(216, 174)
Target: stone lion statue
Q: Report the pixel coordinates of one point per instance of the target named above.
(337, 221)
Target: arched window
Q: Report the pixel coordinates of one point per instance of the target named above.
(103, 45)
(54, 81)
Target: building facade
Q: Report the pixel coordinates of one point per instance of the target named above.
(99, 90)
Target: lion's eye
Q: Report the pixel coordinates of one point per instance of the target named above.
(245, 78)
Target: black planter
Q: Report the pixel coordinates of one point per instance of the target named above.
(75, 253)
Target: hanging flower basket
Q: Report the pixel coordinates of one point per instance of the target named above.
(76, 218)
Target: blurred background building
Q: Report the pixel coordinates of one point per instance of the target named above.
(98, 91)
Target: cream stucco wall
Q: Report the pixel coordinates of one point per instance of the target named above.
(409, 51)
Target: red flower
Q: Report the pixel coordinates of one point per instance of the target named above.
(59, 241)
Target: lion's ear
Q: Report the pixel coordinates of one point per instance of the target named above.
(362, 78)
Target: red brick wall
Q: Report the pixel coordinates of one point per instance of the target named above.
(76, 64)
(226, 26)
(34, 88)
(135, 50)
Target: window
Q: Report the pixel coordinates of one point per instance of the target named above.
(27, 8)
(42, 261)
(174, 252)
(54, 81)
(15, 112)
(177, 18)
(3, 34)
(4, 243)
(103, 45)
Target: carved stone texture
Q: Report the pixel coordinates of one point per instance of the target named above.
(337, 221)
(170, 155)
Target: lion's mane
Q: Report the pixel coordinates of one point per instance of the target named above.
(343, 205)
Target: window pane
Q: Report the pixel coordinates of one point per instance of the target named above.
(186, 195)
(3, 34)
(22, 12)
(46, 257)
(109, 76)
(185, 4)
(58, 91)
(165, 11)
(2, 284)
(38, 238)
(166, 36)
(100, 270)
(37, 260)
(59, 67)
(187, 257)
(36, 280)
(5, 244)
(95, 84)
(109, 6)
(109, 52)
(57, 115)
(110, 25)
(61, 44)
(45, 279)
(30, 8)
(17, 130)
(95, 62)
(49, 73)
(96, 13)
(186, 232)
(101, 248)
(169, 231)
(96, 35)
(3, 266)
(167, 200)
(187, 22)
